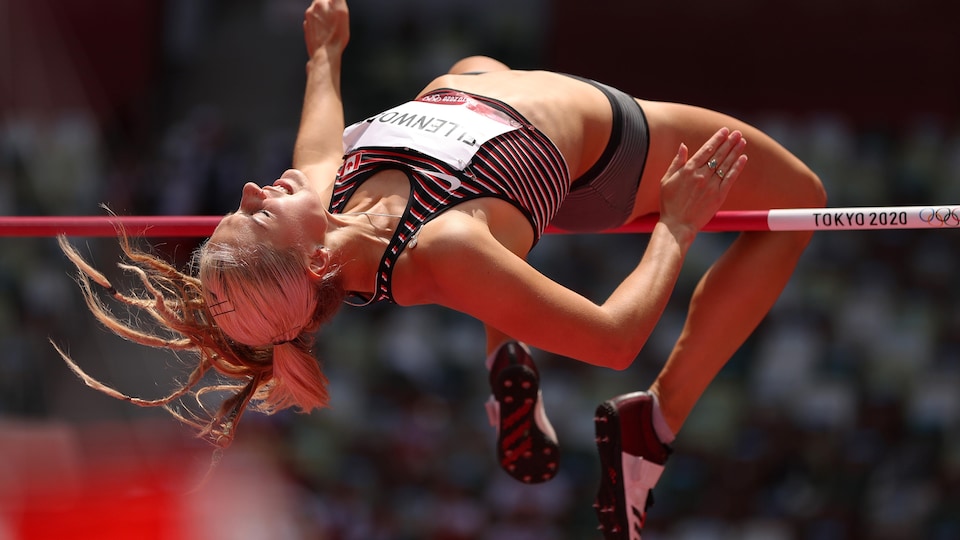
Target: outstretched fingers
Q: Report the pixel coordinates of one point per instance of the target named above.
(711, 149)
(694, 189)
(679, 160)
(722, 156)
(733, 163)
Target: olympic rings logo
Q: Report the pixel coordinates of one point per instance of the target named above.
(941, 217)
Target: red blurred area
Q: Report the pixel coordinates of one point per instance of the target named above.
(99, 482)
(144, 480)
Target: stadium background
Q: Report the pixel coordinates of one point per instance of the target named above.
(839, 419)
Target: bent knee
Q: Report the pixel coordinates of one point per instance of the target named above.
(477, 64)
(793, 186)
(785, 181)
(813, 194)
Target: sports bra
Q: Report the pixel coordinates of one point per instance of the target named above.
(518, 164)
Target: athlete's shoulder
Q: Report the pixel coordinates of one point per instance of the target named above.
(439, 262)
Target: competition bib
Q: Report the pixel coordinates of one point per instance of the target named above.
(449, 128)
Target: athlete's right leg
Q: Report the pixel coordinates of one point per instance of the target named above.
(527, 446)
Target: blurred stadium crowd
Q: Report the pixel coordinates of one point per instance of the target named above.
(839, 419)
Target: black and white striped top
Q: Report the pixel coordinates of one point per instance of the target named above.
(522, 167)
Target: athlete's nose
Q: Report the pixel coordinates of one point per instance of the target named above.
(251, 198)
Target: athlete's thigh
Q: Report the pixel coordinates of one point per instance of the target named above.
(773, 177)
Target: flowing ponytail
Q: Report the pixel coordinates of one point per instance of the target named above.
(242, 301)
(299, 380)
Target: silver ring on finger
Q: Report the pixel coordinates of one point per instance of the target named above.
(712, 164)
(720, 173)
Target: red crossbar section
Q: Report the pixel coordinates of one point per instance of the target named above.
(796, 219)
(106, 226)
(723, 221)
(191, 226)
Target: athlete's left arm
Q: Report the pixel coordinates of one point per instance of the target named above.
(471, 272)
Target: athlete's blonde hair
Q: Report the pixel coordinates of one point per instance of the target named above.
(249, 313)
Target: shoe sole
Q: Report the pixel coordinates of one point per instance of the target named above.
(610, 504)
(523, 450)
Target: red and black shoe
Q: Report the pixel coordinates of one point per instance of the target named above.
(631, 459)
(527, 446)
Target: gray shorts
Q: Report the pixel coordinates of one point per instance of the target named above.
(604, 196)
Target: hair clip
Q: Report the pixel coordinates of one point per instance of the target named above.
(216, 310)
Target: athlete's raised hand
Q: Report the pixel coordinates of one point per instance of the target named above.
(318, 149)
(694, 189)
(326, 25)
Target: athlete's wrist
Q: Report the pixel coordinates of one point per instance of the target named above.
(682, 233)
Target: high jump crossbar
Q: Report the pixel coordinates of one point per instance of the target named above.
(792, 219)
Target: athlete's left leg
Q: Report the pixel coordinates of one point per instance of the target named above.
(728, 303)
(739, 289)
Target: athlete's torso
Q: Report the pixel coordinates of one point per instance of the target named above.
(454, 149)
(572, 114)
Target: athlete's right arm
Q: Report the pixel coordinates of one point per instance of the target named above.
(318, 150)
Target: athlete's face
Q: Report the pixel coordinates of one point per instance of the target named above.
(284, 214)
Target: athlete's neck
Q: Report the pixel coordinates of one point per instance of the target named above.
(359, 243)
